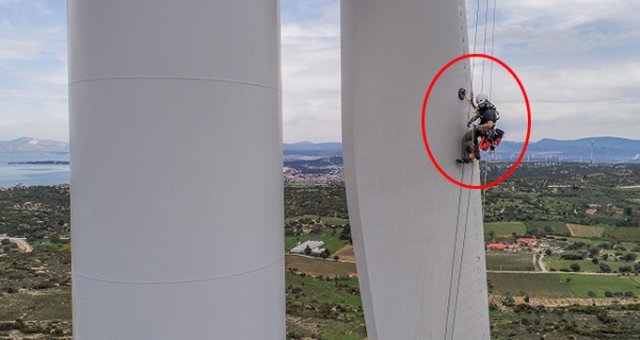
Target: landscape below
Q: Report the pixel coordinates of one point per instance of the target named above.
(562, 243)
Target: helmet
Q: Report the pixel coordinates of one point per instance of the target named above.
(481, 99)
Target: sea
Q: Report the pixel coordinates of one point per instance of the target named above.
(12, 175)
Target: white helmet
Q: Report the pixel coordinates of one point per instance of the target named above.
(481, 99)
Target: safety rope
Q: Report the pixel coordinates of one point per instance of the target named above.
(453, 257)
(493, 45)
(484, 43)
(464, 239)
(475, 42)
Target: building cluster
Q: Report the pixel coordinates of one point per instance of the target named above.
(522, 242)
(327, 176)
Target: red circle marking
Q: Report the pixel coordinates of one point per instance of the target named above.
(424, 121)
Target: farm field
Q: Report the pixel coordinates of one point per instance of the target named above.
(505, 229)
(585, 231)
(585, 265)
(561, 285)
(628, 234)
(346, 253)
(580, 285)
(534, 285)
(510, 262)
(318, 267)
(550, 227)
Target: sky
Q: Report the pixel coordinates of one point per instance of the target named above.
(578, 59)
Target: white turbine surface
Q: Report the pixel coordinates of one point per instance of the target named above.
(418, 238)
(176, 169)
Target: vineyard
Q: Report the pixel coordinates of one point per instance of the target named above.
(510, 262)
(534, 285)
(628, 234)
(585, 231)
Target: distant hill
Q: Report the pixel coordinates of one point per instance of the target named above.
(606, 150)
(28, 144)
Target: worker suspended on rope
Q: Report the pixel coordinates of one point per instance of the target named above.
(487, 133)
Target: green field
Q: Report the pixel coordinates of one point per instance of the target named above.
(505, 229)
(535, 285)
(550, 227)
(510, 262)
(628, 234)
(585, 265)
(580, 285)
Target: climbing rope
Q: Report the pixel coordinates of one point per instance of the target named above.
(475, 42)
(455, 250)
(493, 45)
(464, 239)
(484, 43)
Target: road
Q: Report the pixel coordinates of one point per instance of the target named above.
(541, 263)
(539, 272)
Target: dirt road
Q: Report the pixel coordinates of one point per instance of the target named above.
(21, 243)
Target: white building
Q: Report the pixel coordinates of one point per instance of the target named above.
(299, 249)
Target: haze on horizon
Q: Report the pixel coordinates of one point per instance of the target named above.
(578, 62)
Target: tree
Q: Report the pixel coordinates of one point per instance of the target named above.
(591, 294)
(605, 268)
(630, 257)
(307, 250)
(624, 269)
(575, 267)
(594, 260)
(628, 211)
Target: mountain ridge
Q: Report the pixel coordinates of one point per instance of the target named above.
(30, 144)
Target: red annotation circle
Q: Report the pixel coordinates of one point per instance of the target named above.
(424, 121)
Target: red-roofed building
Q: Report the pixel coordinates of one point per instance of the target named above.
(497, 246)
(527, 241)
